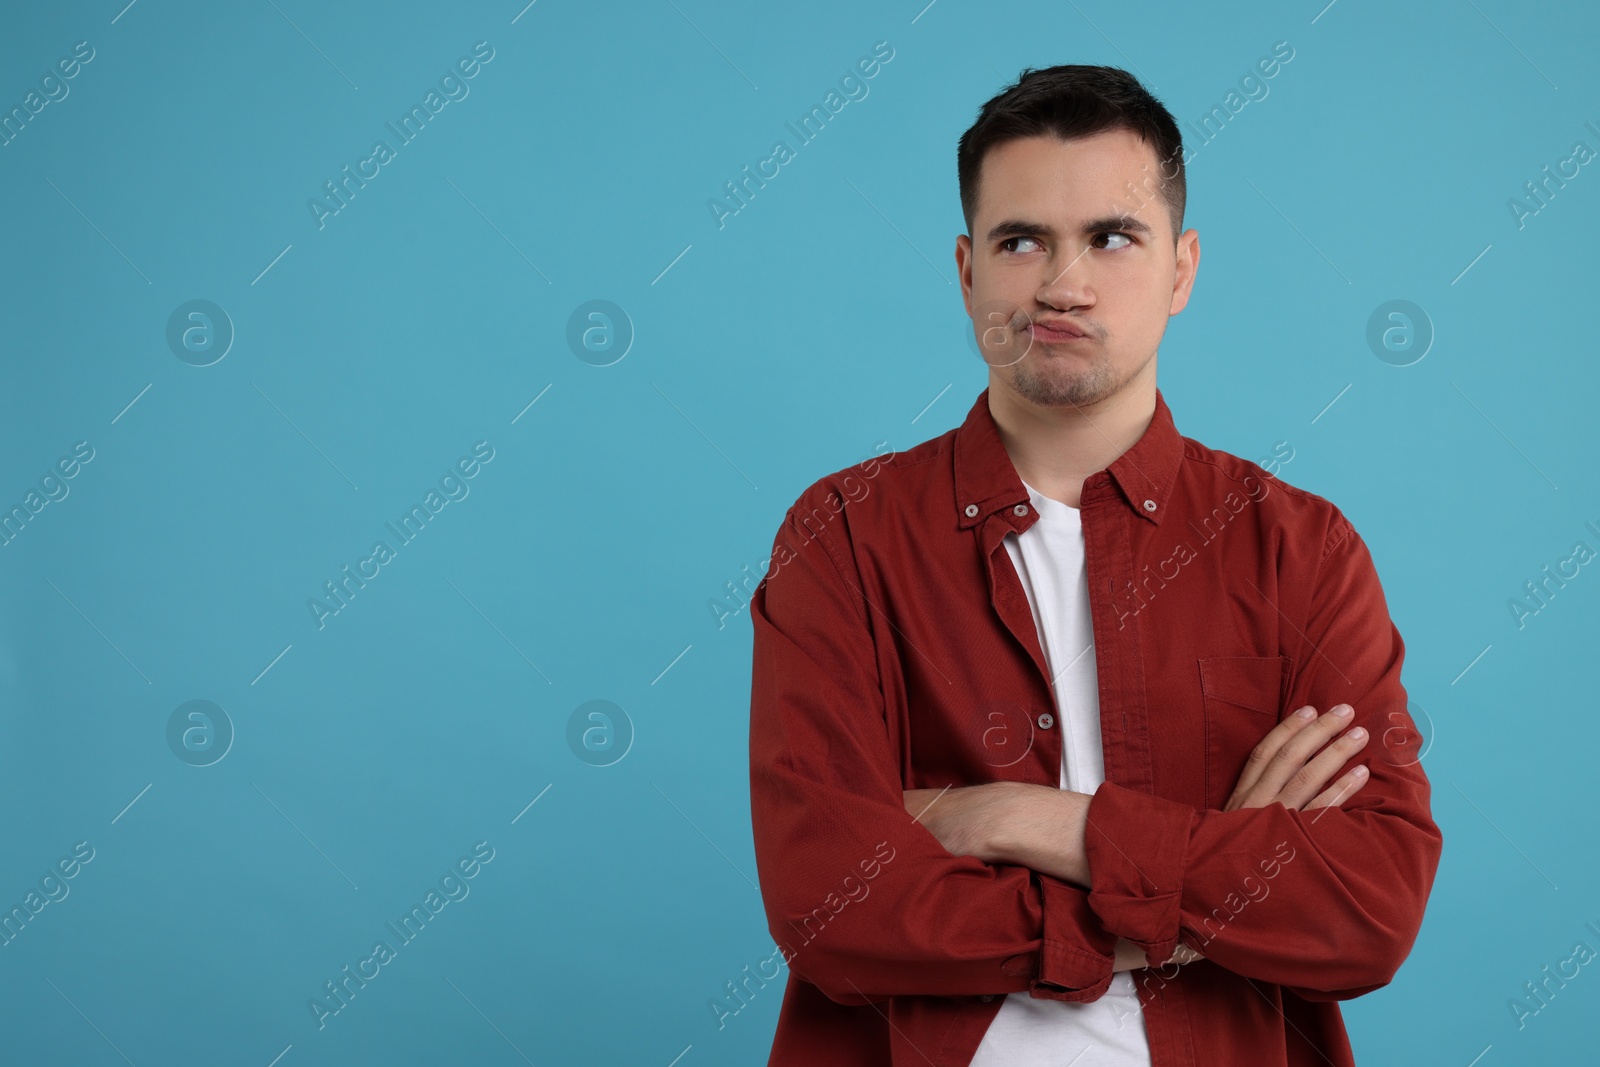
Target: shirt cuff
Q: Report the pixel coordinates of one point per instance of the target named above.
(1077, 954)
(1137, 846)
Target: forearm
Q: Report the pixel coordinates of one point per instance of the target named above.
(1044, 830)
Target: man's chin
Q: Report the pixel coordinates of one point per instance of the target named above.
(1068, 388)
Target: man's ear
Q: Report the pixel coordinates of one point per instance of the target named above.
(1187, 256)
(963, 254)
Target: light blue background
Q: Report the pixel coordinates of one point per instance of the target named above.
(370, 354)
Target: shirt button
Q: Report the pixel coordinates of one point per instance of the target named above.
(987, 997)
(1020, 509)
(972, 509)
(1149, 505)
(1046, 720)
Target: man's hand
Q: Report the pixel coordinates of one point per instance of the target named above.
(1281, 768)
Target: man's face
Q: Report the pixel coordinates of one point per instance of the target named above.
(1073, 232)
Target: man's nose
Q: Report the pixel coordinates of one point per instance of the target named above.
(1067, 281)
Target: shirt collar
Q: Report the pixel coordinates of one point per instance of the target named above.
(986, 480)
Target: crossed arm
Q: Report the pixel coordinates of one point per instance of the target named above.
(826, 796)
(1043, 828)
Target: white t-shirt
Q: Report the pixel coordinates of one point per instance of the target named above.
(1032, 1032)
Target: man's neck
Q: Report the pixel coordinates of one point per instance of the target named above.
(1055, 448)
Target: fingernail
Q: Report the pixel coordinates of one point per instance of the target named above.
(1356, 733)
(1359, 772)
(1343, 711)
(1307, 713)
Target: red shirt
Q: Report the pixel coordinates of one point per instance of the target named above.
(895, 649)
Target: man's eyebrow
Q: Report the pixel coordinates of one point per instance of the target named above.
(1008, 228)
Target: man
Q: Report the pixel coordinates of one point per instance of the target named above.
(1029, 778)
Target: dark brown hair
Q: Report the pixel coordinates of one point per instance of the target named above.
(1068, 102)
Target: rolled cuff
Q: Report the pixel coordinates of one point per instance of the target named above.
(1137, 846)
(1077, 954)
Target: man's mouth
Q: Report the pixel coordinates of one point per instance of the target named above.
(1056, 330)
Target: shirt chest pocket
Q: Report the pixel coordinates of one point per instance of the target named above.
(1243, 698)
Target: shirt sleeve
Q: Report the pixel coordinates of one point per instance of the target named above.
(1325, 902)
(865, 902)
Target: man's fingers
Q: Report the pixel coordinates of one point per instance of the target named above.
(1341, 790)
(1311, 778)
(1279, 754)
(1265, 750)
(1292, 755)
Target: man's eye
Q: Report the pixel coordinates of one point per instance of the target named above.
(1118, 233)
(1007, 245)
